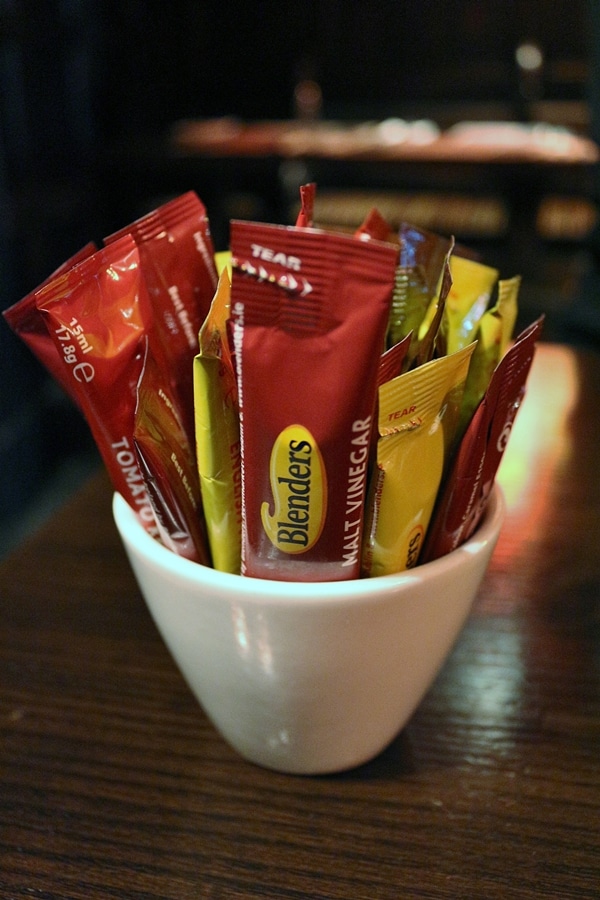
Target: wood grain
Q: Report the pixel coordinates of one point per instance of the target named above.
(114, 784)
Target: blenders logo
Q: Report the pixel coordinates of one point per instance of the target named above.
(299, 487)
(415, 539)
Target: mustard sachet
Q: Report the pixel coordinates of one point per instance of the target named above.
(223, 261)
(494, 333)
(472, 286)
(218, 433)
(418, 414)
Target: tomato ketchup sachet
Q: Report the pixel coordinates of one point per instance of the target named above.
(177, 259)
(98, 314)
(28, 323)
(309, 314)
(167, 462)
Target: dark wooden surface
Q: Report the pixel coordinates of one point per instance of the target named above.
(113, 783)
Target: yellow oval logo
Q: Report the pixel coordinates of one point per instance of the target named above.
(299, 486)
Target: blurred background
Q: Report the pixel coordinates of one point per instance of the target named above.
(93, 94)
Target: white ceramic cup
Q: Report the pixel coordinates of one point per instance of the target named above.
(301, 677)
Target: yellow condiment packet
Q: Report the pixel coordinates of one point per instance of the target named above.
(418, 413)
(223, 261)
(494, 333)
(468, 298)
(507, 308)
(218, 434)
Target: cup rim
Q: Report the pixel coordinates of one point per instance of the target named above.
(159, 557)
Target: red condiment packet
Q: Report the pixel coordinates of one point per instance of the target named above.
(466, 489)
(98, 314)
(168, 465)
(309, 311)
(307, 205)
(391, 364)
(177, 258)
(25, 320)
(374, 227)
(392, 361)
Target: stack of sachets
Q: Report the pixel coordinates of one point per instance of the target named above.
(118, 327)
(309, 406)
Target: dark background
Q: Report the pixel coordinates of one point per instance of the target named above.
(90, 88)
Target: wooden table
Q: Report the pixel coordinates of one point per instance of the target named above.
(114, 784)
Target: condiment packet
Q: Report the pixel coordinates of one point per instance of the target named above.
(307, 205)
(309, 311)
(467, 487)
(418, 413)
(218, 434)
(507, 308)
(392, 361)
(427, 345)
(168, 466)
(472, 286)
(421, 260)
(223, 261)
(177, 259)
(25, 320)
(375, 227)
(98, 314)
(391, 364)
(493, 332)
